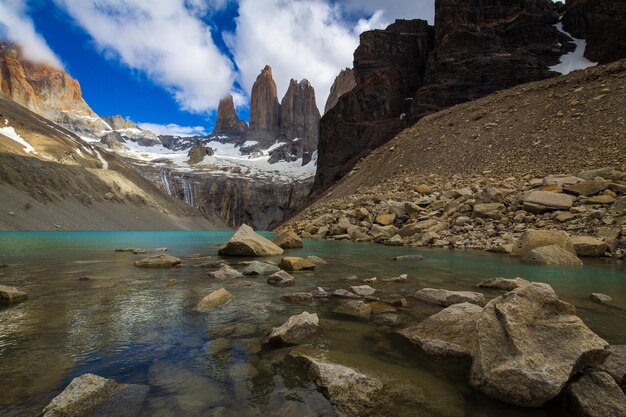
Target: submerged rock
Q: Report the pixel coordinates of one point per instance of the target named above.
(296, 329)
(505, 284)
(447, 298)
(362, 290)
(594, 395)
(528, 344)
(316, 260)
(354, 308)
(409, 258)
(213, 300)
(293, 263)
(11, 295)
(160, 261)
(260, 268)
(225, 273)
(401, 278)
(281, 279)
(600, 298)
(298, 298)
(551, 255)
(90, 394)
(246, 242)
(289, 240)
(451, 332)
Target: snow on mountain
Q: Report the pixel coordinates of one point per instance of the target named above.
(574, 60)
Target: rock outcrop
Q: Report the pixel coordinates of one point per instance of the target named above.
(299, 116)
(529, 344)
(228, 123)
(264, 107)
(602, 23)
(344, 83)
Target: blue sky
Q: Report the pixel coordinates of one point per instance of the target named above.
(169, 61)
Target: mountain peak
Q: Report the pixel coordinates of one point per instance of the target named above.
(228, 123)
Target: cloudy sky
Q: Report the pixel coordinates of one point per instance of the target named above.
(168, 62)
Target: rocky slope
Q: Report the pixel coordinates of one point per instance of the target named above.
(412, 69)
(56, 180)
(464, 177)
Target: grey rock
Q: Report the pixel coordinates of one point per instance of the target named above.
(594, 395)
(281, 279)
(296, 329)
(447, 298)
(260, 268)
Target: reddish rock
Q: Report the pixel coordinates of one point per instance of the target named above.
(228, 123)
(344, 83)
(264, 106)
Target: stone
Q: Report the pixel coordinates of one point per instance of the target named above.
(594, 394)
(197, 154)
(385, 219)
(319, 292)
(378, 307)
(489, 210)
(344, 83)
(11, 295)
(296, 329)
(615, 365)
(91, 394)
(532, 239)
(246, 242)
(170, 282)
(409, 258)
(589, 246)
(297, 298)
(213, 300)
(395, 240)
(551, 255)
(260, 268)
(341, 293)
(600, 298)
(451, 332)
(316, 260)
(354, 308)
(586, 188)
(541, 201)
(447, 298)
(281, 279)
(289, 240)
(225, 273)
(401, 278)
(294, 263)
(362, 290)
(504, 284)
(601, 199)
(160, 261)
(528, 345)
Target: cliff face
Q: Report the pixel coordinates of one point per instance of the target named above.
(47, 91)
(228, 123)
(299, 116)
(412, 69)
(602, 23)
(264, 106)
(344, 83)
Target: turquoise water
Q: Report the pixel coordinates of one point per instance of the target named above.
(126, 323)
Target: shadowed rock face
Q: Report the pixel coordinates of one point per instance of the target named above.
(299, 116)
(343, 84)
(264, 106)
(602, 23)
(228, 122)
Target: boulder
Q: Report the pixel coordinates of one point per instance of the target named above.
(600, 298)
(586, 188)
(296, 329)
(260, 268)
(594, 394)
(362, 290)
(246, 242)
(90, 394)
(378, 307)
(532, 239)
(615, 365)
(289, 240)
(551, 255)
(505, 284)
(528, 345)
(316, 260)
(541, 201)
(294, 263)
(385, 219)
(489, 210)
(409, 258)
(401, 278)
(160, 261)
(447, 298)
(281, 279)
(451, 332)
(589, 246)
(341, 293)
(354, 308)
(297, 298)
(215, 299)
(225, 273)
(11, 295)
(601, 199)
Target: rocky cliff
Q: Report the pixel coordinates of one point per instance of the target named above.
(228, 123)
(125, 130)
(602, 23)
(264, 106)
(299, 116)
(47, 91)
(344, 83)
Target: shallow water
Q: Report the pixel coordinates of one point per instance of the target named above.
(126, 323)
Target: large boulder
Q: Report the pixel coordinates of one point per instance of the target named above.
(11, 295)
(260, 268)
(532, 239)
(589, 245)
(551, 255)
(294, 263)
(615, 365)
(528, 345)
(213, 300)
(451, 332)
(541, 201)
(289, 240)
(160, 261)
(594, 395)
(246, 242)
(91, 394)
(586, 188)
(447, 298)
(296, 329)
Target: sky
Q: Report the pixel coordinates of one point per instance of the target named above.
(165, 64)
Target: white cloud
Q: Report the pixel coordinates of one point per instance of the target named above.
(18, 27)
(394, 9)
(166, 39)
(172, 129)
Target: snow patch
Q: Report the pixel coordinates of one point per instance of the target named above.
(105, 164)
(10, 133)
(573, 60)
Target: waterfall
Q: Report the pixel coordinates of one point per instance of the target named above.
(165, 179)
(187, 191)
